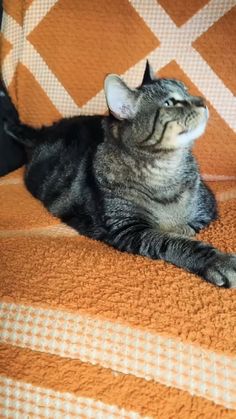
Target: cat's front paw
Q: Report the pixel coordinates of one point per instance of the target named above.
(222, 272)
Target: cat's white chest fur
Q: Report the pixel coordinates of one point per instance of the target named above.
(169, 206)
(174, 213)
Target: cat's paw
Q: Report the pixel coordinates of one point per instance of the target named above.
(222, 272)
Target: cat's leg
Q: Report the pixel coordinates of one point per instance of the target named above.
(136, 236)
(181, 230)
(206, 210)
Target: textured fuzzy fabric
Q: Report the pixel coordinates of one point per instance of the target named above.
(87, 331)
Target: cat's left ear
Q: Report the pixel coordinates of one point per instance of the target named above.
(148, 76)
(121, 100)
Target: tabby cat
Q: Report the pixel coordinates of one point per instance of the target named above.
(130, 179)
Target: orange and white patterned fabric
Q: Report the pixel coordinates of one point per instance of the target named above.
(86, 331)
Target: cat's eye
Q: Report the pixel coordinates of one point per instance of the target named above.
(169, 102)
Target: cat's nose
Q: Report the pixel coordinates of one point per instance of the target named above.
(199, 102)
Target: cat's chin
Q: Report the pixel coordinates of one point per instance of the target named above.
(188, 136)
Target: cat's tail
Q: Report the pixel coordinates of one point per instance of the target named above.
(11, 120)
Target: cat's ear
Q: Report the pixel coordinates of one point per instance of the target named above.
(148, 76)
(121, 100)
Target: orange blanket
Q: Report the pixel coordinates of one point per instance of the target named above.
(87, 331)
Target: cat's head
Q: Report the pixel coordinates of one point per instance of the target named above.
(158, 115)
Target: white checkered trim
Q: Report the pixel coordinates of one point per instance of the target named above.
(23, 400)
(124, 349)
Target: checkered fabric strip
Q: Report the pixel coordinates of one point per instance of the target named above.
(19, 399)
(124, 349)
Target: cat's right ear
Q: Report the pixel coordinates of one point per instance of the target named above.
(121, 100)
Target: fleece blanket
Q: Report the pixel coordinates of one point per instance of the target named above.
(87, 331)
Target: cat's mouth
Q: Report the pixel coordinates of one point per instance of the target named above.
(200, 126)
(189, 134)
